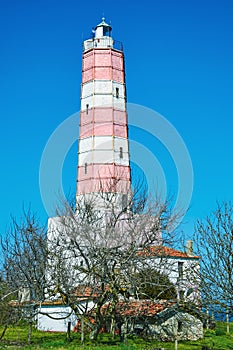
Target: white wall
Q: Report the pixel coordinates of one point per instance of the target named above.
(98, 42)
(45, 323)
(102, 93)
(56, 324)
(103, 149)
(189, 280)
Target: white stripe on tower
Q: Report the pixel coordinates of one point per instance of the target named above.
(103, 157)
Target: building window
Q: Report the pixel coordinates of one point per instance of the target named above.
(117, 92)
(87, 107)
(179, 327)
(85, 168)
(121, 152)
(180, 269)
(181, 295)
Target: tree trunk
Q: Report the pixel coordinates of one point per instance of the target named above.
(82, 331)
(29, 332)
(95, 332)
(227, 320)
(98, 319)
(4, 331)
(68, 338)
(112, 329)
(207, 318)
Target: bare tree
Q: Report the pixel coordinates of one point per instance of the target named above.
(92, 256)
(8, 313)
(98, 247)
(214, 241)
(24, 250)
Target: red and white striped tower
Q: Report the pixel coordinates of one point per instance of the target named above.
(103, 156)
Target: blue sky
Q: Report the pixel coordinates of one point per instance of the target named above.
(179, 62)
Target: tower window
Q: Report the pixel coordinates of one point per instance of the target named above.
(124, 201)
(121, 152)
(117, 92)
(87, 107)
(85, 168)
(180, 269)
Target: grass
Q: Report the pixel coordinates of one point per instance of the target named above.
(16, 338)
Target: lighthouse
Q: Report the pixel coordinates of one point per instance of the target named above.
(94, 253)
(103, 149)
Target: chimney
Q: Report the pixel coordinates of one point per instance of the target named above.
(189, 247)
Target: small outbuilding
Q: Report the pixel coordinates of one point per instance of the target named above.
(163, 320)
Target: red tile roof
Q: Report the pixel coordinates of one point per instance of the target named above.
(83, 291)
(166, 252)
(139, 307)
